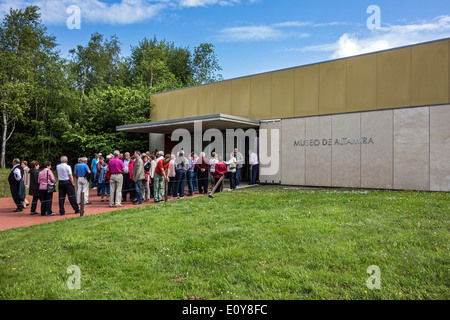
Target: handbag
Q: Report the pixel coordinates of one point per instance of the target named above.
(233, 165)
(51, 187)
(147, 177)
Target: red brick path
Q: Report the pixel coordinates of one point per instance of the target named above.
(10, 219)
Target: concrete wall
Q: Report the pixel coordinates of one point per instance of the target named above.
(270, 153)
(411, 76)
(406, 148)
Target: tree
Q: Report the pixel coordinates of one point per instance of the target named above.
(24, 45)
(179, 62)
(104, 109)
(160, 65)
(206, 64)
(148, 62)
(97, 63)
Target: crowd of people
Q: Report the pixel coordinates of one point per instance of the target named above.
(121, 177)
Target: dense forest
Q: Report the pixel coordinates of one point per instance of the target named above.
(53, 106)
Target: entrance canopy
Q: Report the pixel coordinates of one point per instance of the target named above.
(215, 121)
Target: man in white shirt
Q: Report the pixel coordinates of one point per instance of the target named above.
(171, 184)
(254, 166)
(212, 170)
(66, 186)
(240, 163)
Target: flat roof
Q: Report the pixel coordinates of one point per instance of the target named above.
(215, 121)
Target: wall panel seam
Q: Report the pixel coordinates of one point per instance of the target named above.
(393, 149)
(360, 150)
(376, 84)
(293, 95)
(429, 148)
(332, 146)
(304, 173)
(318, 90)
(250, 100)
(346, 86)
(410, 76)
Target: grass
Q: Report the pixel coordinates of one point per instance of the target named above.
(4, 173)
(261, 243)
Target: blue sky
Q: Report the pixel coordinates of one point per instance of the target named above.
(250, 36)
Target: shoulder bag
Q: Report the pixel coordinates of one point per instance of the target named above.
(233, 165)
(51, 187)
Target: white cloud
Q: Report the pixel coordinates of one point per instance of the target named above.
(125, 12)
(252, 33)
(256, 33)
(197, 3)
(263, 32)
(333, 24)
(275, 31)
(387, 37)
(107, 12)
(312, 24)
(92, 11)
(224, 3)
(206, 3)
(292, 24)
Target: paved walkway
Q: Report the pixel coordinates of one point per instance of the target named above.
(10, 219)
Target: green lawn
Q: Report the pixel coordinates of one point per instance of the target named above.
(4, 173)
(259, 243)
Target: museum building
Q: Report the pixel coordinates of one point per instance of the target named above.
(378, 120)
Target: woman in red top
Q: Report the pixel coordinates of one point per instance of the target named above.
(221, 169)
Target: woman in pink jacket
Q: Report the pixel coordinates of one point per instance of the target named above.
(45, 177)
